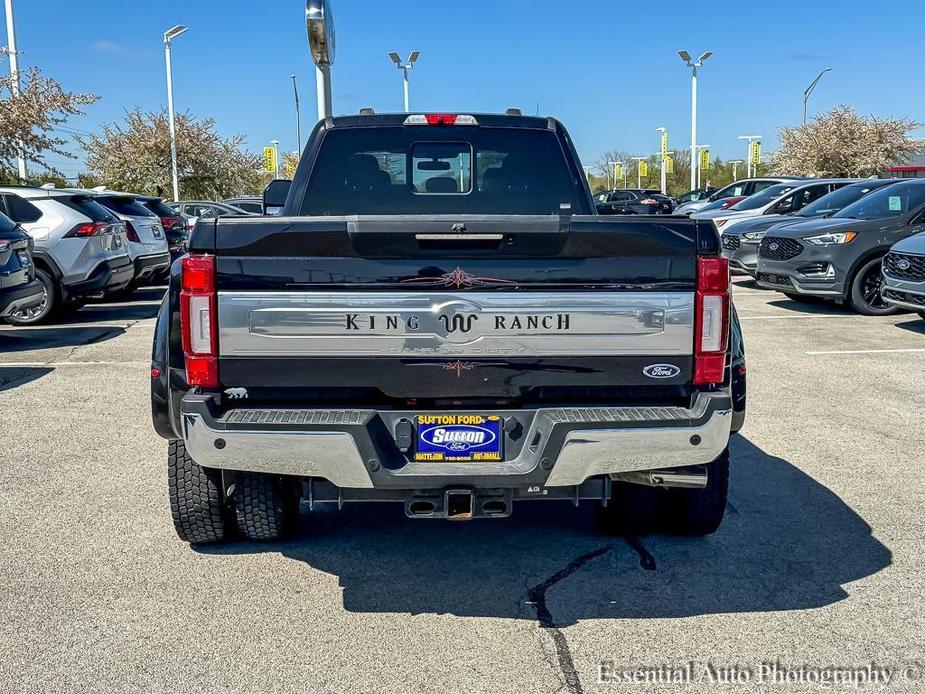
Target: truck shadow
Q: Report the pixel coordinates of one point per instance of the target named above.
(787, 543)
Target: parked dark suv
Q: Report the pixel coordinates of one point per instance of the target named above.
(633, 201)
(19, 290)
(840, 257)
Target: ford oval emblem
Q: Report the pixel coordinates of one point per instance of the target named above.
(661, 371)
(903, 264)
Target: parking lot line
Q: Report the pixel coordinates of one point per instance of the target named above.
(34, 364)
(865, 351)
(813, 316)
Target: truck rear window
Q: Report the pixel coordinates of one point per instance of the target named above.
(441, 170)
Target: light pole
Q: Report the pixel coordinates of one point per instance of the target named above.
(319, 25)
(298, 117)
(693, 65)
(748, 159)
(613, 165)
(14, 79)
(404, 67)
(809, 90)
(735, 167)
(638, 170)
(169, 36)
(662, 153)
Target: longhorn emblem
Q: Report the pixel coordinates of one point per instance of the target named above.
(457, 322)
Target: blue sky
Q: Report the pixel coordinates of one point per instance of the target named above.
(609, 69)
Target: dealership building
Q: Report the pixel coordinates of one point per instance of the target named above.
(914, 168)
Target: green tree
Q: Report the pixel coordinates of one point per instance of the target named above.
(843, 143)
(135, 156)
(28, 120)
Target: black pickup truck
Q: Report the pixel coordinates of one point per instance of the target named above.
(439, 319)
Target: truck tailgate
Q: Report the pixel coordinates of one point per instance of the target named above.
(462, 309)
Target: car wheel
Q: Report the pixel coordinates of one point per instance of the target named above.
(265, 505)
(37, 314)
(700, 511)
(865, 295)
(632, 510)
(196, 501)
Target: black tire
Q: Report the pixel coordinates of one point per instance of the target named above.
(196, 500)
(864, 295)
(265, 505)
(700, 511)
(46, 309)
(633, 510)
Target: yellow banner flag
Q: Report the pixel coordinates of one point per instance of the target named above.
(644, 169)
(756, 153)
(269, 159)
(669, 165)
(704, 160)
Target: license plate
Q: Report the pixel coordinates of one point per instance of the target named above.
(458, 437)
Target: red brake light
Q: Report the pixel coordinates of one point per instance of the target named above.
(198, 320)
(130, 232)
(169, 222)
(649, 201)
(441, 118)
(88, 229)
(711, 320)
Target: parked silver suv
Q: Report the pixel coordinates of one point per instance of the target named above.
(904, 275)
(80, 248)
(147, 243)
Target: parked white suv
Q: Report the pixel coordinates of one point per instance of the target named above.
(147, 243)
(80, 248)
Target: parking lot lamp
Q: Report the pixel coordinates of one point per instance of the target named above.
(169, 36)
(693, 65)
(735, 167)
(613, 167)
(404, 67)
(748, 159)
(298, 117)
(809, 90)
(662, 152)
(638, 170)
(14, 78)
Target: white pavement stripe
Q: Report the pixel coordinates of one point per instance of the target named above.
(813, 316)
(868, 351)
(33, 364)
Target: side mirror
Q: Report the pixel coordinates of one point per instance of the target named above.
(275, 194)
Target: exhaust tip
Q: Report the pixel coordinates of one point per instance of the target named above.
(494, 508)
(421, 508)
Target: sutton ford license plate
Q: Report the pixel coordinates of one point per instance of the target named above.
(458, 437)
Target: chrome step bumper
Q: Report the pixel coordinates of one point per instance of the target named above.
(355, 449)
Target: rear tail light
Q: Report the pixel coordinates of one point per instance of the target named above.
(198, 320)
(711, 320)
(440, 119)
(87, 229)
(169, 222)
(130, 232)
(649, 201)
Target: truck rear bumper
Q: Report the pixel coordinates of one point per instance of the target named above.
(355, 449)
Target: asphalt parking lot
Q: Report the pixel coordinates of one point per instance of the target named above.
(819, 562)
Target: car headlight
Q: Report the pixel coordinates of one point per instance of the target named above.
(754, 235)
(833, 238)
